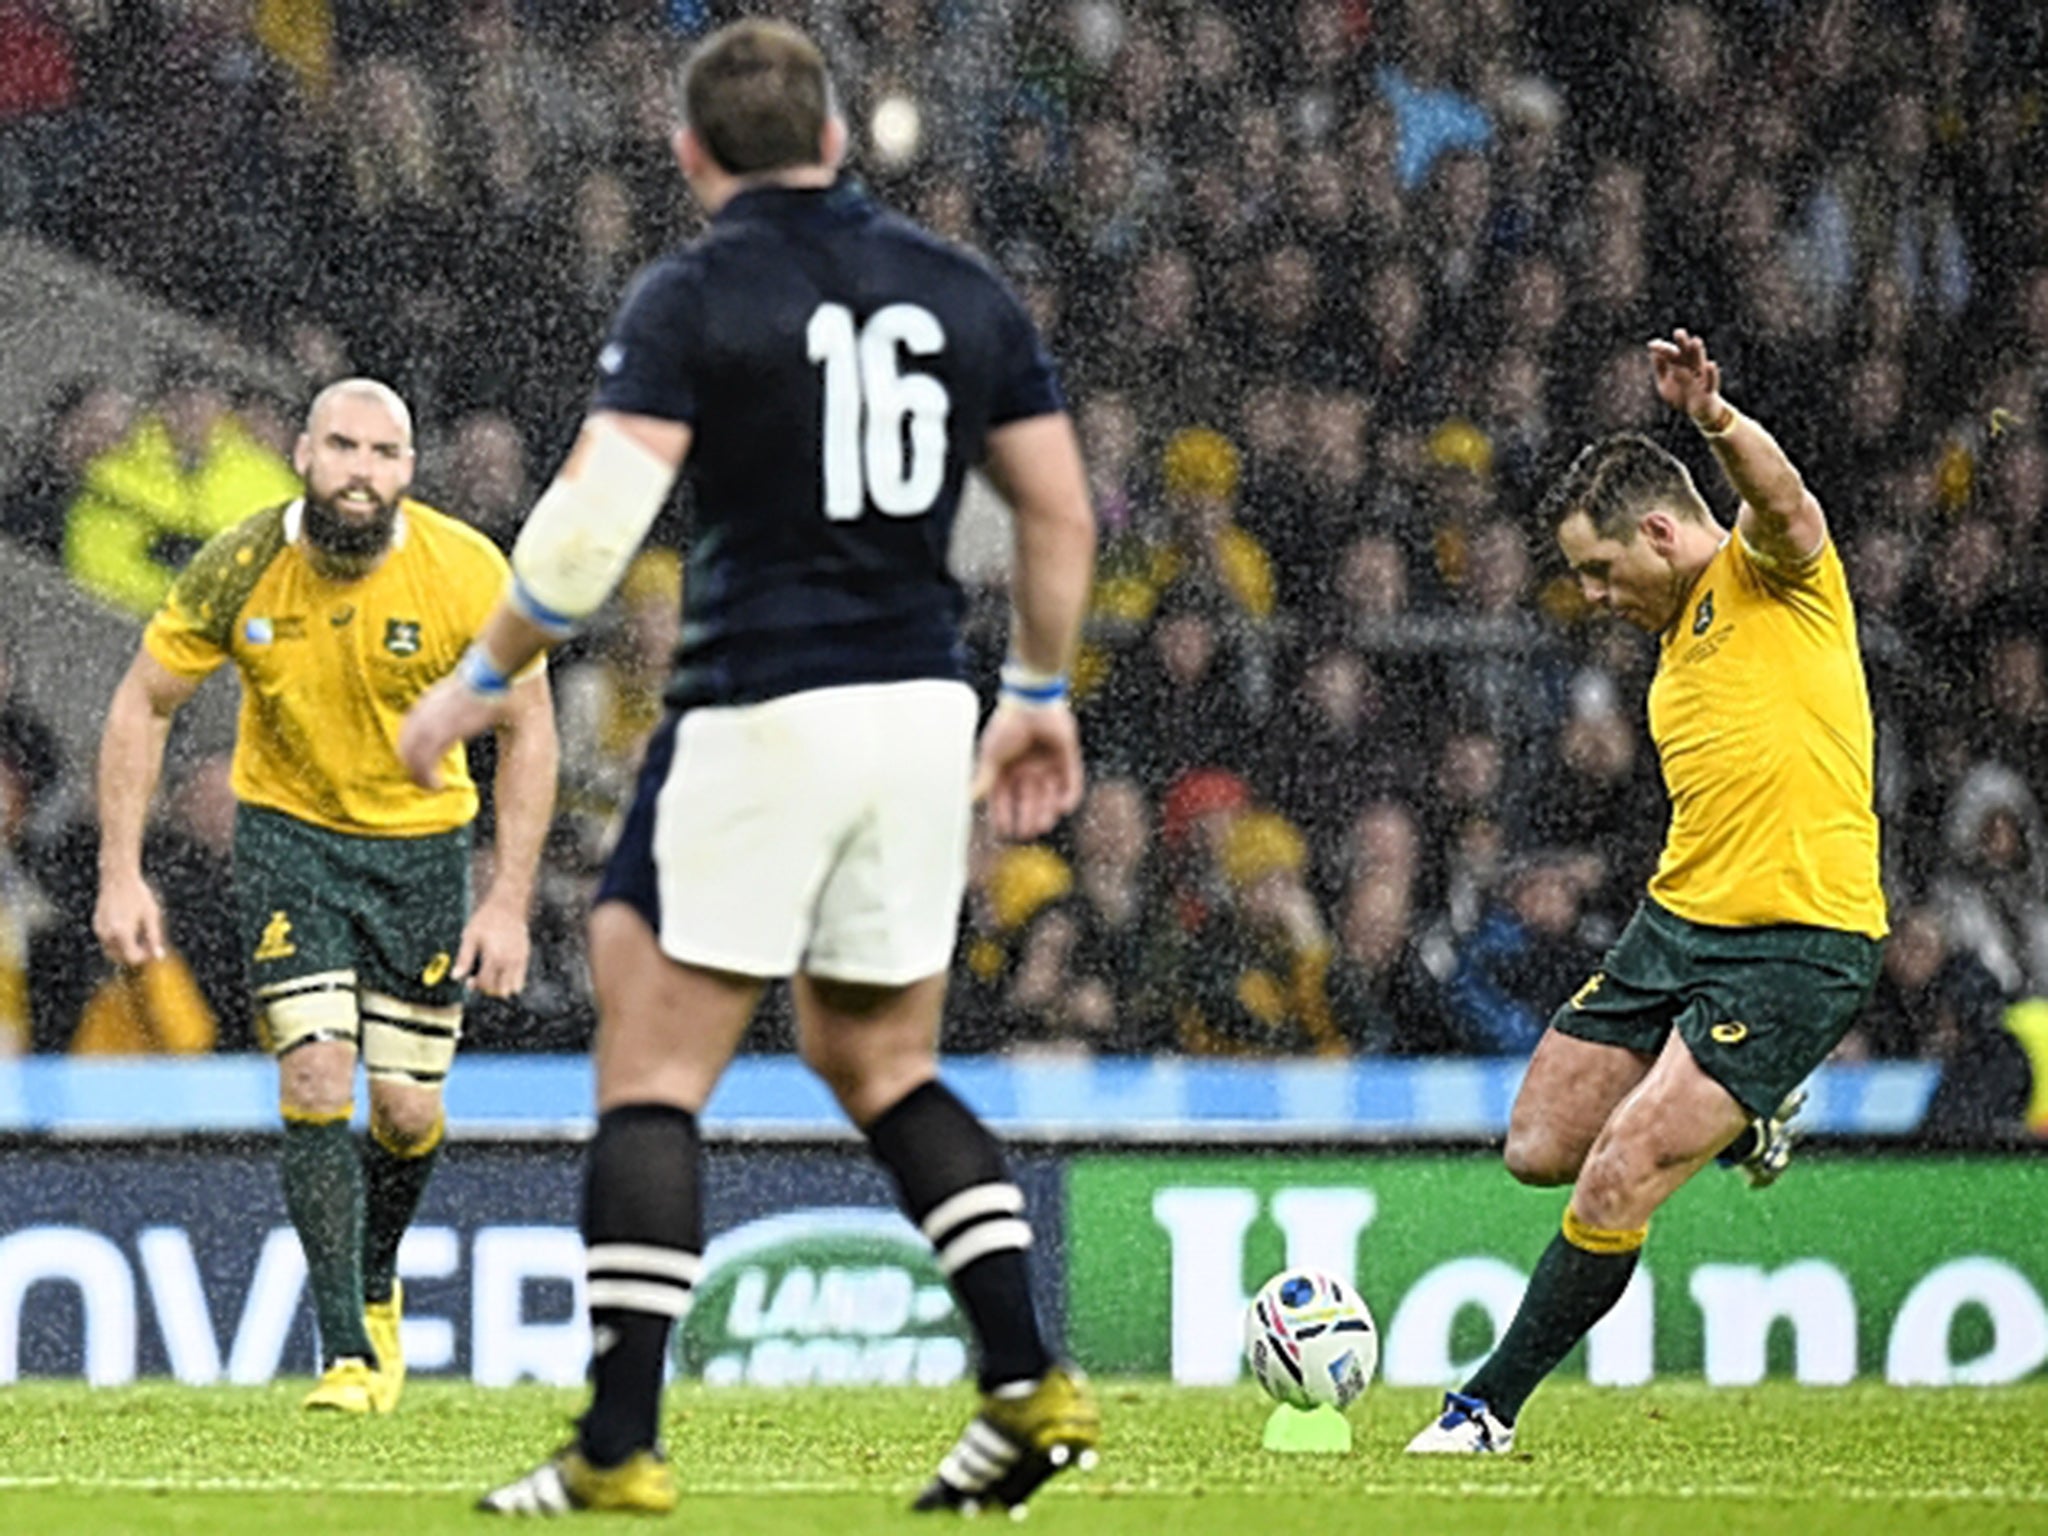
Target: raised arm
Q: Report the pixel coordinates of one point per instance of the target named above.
(1780, 519)
(126, 919)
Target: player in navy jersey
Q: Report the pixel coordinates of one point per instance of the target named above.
(823, 373)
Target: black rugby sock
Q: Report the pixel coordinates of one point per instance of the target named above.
(949, 1174)
(643, 1235)
(1576, 1283)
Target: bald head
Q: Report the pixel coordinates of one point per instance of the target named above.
(366, 390)
(356, 458)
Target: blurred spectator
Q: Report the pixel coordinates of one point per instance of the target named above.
(1531, 114)
(1926, 988)
(1190, 693)
(196, 998)
(2016, 488)
(1164, 336)
(1341, 737)
(1111, 441)
(1393, 355)
(1993, 892)
(31, 770)
(1121, 960)
(388, 266)
(1382, 996)
(1023, 195)
(38, 94)
(1511, 688)
(485, 474)
(1196, 812)
(28, 745)
(269, 419)
(1011, 989)
(1430, 114)
(1467, 825)
(1940, 1002)
(23, 909)
(1194, 694)
(1370, 590)
(1326, 498)
(1206, 547)
(1603, 798)
(1253, 977)
(1959, 610)
(1525, 956)
(1037, 1012)
(155, 1008)
(608, 704)
(190, 853)
(187, 470)
(2015, 716)
(1880, 573)
(85, 419)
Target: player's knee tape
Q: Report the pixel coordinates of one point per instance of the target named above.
(306, 1010)
(411, 1042)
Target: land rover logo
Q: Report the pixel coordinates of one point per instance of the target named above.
(840, 1297)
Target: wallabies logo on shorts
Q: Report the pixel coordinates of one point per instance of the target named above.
(276, 942)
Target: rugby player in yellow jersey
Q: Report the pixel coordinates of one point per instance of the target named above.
(1759, 938)
(338, 610)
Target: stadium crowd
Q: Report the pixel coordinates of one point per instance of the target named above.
(1335, 288)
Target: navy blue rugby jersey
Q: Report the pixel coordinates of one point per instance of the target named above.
(840, 368)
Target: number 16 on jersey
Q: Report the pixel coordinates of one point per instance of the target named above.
(885, 430)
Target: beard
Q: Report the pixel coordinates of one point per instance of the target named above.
(344, 539)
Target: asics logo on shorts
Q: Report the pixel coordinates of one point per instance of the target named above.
(1729, 1033)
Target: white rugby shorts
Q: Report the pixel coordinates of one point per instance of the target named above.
(822, 832)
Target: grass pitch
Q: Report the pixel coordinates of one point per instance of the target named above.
(1666, 1458)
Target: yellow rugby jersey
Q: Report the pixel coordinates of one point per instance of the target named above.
(329, 668)
(1762, 723)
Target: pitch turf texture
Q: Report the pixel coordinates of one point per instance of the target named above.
(1177, 1462)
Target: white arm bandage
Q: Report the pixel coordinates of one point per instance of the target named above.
(583, 532)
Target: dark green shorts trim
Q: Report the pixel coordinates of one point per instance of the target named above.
(390, 909)
(1759, 1008)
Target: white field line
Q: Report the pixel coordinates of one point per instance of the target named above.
(1507, 1492)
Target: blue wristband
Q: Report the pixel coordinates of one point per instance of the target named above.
(1032, 688)
(480, 675)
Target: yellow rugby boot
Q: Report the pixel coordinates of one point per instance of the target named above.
(1016, 1443)
(566, 1484)
(380, 1321)
(344, 1387)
